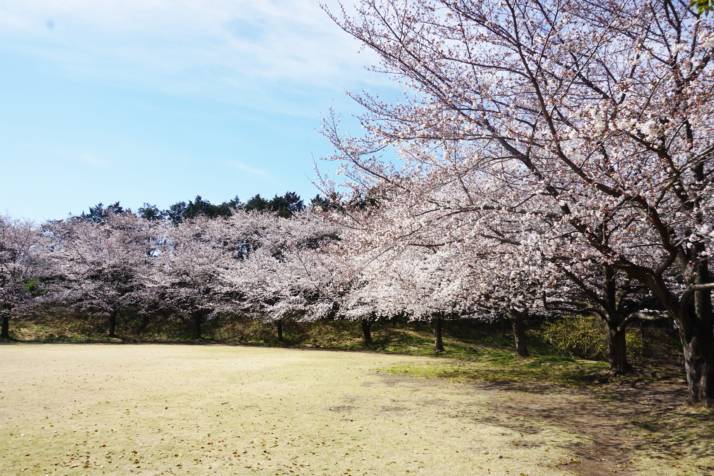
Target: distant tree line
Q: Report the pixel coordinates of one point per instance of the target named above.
(285, 206)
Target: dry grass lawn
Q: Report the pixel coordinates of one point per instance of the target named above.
(182, 409)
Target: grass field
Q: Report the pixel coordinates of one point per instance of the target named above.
(209, 409)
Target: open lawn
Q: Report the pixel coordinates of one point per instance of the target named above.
(210, 409)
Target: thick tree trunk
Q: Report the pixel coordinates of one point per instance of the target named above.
(617, 348)
(197, 325)
(695, 321)
(705, 319)
(5, 332)
(693, 317)
(279, 327)
(113, 324)
(367, 332)
(699, 365)
(698, 332)
(519, 332)
(438, 324)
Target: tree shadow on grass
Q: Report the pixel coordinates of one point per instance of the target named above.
(624, 422)
(618, 421)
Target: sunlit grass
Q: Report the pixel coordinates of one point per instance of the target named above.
(177, 409)
(484, 354)
(496, 366)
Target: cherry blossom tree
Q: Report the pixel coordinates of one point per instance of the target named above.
(102, 264)
(20, 267)
(187, 270)
(427, 261)
(251, 263)
(596, 109)
(432, 285)
(595, 287)
(364, 300)
(364, 290)
(286, 275)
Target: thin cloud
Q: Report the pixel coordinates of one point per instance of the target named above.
(227, 42)
(247, 168)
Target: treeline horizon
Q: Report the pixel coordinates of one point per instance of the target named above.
(285, 206)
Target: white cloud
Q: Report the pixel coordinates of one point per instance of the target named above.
(247, 168)
(189, 44)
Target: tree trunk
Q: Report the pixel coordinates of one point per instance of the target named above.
(367, 332)
(705, 319)
(143, 325)
(113, 324)
(693, 316)
(699, 368)
(519, 332)
(438, 324)
(699, 364)
(197, 325)
(5, 333)
(696, 332)
(616, 343)
(617, 348)
(279, 327)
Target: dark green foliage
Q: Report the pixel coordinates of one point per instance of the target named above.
(283, 205)
(318, 201)
(98, 213)
(256, 204)
(176, 212)
(287, 205)
(363, 201)
(234, 203)
(201, 207)
(150, 212)
(33, 287)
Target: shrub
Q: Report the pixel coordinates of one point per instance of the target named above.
(586, 337)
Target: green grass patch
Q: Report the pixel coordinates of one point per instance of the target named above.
(498, 367)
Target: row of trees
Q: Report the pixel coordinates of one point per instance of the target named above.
(341, 261)
(284, 205)
(111, 259)
(559, 152)
(314, 265)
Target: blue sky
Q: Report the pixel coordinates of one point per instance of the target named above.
(160, 100)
